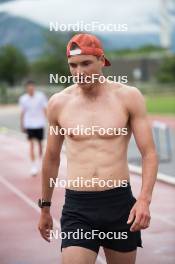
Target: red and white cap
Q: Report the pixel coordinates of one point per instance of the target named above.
(87, 45)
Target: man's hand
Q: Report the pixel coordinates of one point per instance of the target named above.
(139, 216)
(45, 225)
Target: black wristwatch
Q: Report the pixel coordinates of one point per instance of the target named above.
(43, 203)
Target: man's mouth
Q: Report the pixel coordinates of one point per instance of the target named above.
(84, 79)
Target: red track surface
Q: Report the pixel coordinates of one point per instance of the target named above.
(19, 238)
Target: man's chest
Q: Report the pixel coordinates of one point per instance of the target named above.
(105, 114)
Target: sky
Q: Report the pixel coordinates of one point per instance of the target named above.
(137, 14)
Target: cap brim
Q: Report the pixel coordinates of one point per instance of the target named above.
(107, 62)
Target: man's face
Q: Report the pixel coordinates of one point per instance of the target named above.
(30, 89)
(85, 65)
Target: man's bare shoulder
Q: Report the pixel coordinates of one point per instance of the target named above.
(61, 98)
(131, 96)
(126, 90)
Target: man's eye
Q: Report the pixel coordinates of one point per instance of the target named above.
(73, 65)
(86, 63)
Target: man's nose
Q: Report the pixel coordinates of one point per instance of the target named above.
(79, 70)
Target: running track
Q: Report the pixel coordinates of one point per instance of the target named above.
(19, 237)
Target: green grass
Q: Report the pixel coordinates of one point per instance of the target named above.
(159, 104)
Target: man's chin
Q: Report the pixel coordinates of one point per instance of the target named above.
(85, 85)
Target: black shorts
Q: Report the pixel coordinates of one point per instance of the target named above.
(106, 212)
(35, 133)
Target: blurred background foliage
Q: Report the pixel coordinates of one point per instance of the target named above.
(15, 68)
(53, 60)
(14, 65)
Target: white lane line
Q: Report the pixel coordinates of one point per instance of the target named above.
(28, 201)
(160, 176)
(19, 194)
(25, 198)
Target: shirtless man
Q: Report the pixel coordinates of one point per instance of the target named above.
(104, 157)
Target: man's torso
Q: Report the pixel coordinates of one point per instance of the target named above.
(99, 155)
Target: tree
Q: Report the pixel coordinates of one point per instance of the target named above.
(13, 65)
(167, 70)
(54, 58)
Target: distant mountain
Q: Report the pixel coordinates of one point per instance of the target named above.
(2, 1)
(133, 40)
(29, 37)
(23, 33)
(173, 42)
(129, 40)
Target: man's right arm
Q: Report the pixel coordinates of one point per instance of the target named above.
(50, 167)
(51, 159)
(21, 114)
(22, 121)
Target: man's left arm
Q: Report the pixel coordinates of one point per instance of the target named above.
(142, 132)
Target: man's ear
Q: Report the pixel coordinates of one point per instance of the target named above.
(102, 59)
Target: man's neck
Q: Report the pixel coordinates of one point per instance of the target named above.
(31, 95)
(94, 91)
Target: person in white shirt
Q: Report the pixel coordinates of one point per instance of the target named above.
(33, 120)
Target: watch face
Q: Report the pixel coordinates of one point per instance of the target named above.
(40, 203)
